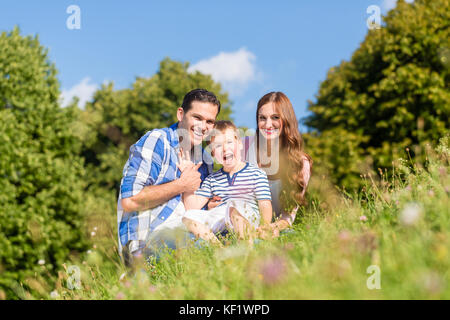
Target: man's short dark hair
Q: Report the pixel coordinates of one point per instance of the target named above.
(201, 95)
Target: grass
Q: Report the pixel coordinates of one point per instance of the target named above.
(399, 224)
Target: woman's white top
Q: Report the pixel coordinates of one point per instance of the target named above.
(249, 154)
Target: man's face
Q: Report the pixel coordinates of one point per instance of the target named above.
(198, 121)
(226, 148)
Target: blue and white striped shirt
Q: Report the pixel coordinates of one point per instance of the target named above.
(152, 161)
(249, 184)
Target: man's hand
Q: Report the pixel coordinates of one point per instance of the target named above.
(190, 178)
(184, 160)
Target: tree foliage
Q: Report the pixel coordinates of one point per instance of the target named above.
(41, 174)
(116, 119)
(392, 94)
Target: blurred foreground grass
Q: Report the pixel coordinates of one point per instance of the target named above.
(400, 225)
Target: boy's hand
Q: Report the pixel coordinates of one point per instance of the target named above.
(214, 202)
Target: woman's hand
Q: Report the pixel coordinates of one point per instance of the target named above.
(268, 231)
(214, 202)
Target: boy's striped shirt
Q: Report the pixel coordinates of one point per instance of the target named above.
(249, 184)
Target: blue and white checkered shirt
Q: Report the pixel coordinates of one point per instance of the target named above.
(152, 161)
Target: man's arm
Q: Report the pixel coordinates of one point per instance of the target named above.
(152, 196)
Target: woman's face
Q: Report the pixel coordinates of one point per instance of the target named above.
(269, 121)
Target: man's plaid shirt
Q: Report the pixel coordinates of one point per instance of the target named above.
(152, 161)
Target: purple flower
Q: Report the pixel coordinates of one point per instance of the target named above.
(120, 296)
(344, 235)
(273, 269)
(363, 218)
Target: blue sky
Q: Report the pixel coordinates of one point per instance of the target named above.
(251, 47)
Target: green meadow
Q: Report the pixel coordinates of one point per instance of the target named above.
(390, 241)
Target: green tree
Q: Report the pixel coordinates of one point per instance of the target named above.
(41, 175)
(393, 93)
(116, 119)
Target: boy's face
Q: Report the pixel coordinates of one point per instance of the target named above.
(226, 148)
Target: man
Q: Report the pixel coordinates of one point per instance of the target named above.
(150, 209)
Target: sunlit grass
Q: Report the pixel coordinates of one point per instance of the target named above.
(400, 224)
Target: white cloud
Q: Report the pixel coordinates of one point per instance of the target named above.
(83, 90)
(234, 70)
(390, 4)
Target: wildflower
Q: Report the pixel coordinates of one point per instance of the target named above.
(127, 284)
(273, 269)
(344, 236)
(152, 289)
(366, 242)
(432, 282)
(441, 252)
(363, 218)
(120, 296)
(95, 228)
(94, 246)
(54, 294)
(410, 214)
(431, 193)
(122, 276)
(92, 233)
(41, 262)
(442, 171)
(343, 268)
(89, 251)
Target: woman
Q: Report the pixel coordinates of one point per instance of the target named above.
(277, 148)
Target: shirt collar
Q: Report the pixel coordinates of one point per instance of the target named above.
(174, 139)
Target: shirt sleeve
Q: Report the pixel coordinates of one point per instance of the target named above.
(262, 189)
(205, 189)
(144, 164)
(306, 172)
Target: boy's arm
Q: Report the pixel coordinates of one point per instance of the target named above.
(193, 201)
(265, 208)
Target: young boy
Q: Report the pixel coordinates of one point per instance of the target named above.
(243, 188)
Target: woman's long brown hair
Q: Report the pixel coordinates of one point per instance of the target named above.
(291, 153)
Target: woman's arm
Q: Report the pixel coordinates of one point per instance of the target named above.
(265, 208)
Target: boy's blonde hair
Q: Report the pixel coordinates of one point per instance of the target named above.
(223, 125)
